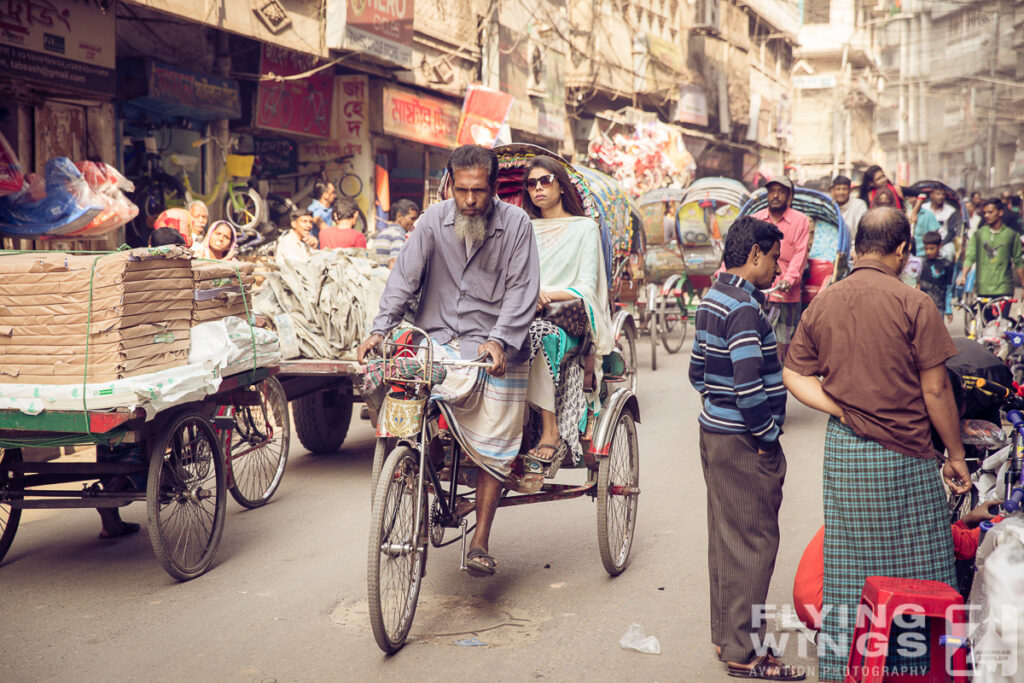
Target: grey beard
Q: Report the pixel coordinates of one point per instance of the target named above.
(471, 228)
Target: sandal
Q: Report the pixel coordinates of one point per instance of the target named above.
(479, 563)
(126, 529)
(535, 452)
(768, 668)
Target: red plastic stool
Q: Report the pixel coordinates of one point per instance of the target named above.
(886, 597)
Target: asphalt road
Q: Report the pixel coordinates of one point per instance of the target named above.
(286, 597)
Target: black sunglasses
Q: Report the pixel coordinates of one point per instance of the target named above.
(543, 181)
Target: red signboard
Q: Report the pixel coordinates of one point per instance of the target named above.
(302, 106)
(382, 27)
(483, 114)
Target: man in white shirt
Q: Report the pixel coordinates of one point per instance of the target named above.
(852, 208)
(297, 245)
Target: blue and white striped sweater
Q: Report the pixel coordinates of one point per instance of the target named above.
(735, 364)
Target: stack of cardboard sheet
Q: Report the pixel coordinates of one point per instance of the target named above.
(222, 288)
(65, 318)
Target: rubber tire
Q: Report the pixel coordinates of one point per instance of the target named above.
(259, 210)
(629, 352)
(273, 397)
(403, 456)
(9, 517)
(163, 547)
(615, 561)
(322, 420)
(151, 198)
(381, 448)
(673, 345)
(652, 323)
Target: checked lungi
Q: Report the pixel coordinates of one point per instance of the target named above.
(885, 515)
(485, 413)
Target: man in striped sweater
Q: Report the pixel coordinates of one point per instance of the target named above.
(735, 367)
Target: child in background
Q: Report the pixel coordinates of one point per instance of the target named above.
(937, 275)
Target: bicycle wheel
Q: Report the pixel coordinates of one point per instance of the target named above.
(673, 321)
(380, 453)
(153, 195)
(618, 478)
(244, 208)
(9, 517)
(397, 550)
(652, 323)
(185, 495)
(259, 446)
(350, 185)
(625, 338)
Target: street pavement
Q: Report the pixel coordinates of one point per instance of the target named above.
(286, 597)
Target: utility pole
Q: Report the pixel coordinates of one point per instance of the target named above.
(990, 157)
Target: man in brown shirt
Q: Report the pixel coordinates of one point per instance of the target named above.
(879, 348)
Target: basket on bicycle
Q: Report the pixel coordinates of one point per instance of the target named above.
(240, 165)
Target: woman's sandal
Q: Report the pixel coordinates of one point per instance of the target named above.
(479, 564)
(768, 668)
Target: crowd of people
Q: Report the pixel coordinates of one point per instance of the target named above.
(869, 352)
(329, 222)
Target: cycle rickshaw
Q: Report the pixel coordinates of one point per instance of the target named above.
(661, 262)
(232, 441)
(828, 254)
(416, 500)
(622, 233)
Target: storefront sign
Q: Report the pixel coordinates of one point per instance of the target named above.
(352, 95)
(215, 98)
(667, 54)
(302, 106)
(277, 156)
(814, 82)
(693, 105)
(58, 42)
(483, 114)
(379, 28)
(420, 118)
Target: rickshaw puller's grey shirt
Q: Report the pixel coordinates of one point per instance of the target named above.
(492, 295)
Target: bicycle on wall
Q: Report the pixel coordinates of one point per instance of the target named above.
(155, 190)
(244, 208)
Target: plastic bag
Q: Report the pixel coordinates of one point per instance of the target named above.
(109, 186)
(982, 433)
(634, 639)
(58, 203)
(11, 178)
(997, 604)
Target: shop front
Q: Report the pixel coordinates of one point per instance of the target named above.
(413, 135)
(57, 82)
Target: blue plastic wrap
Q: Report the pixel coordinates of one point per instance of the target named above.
(57, 204)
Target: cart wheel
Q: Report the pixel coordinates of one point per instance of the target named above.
(625, 339)
(9, 517)
(185, 495)
(673, 321)
(652, 322)
(397, 551)
(380, 453)
(322, 419)
(617, 496)
(256, 470)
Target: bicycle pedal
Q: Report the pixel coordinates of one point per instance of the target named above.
(223, 423)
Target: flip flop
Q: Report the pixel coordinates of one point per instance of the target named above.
(479, 564)
(768, 668)
(126, 529)
(535, 452)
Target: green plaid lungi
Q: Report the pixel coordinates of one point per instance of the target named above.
(785, 324)
(885, 515)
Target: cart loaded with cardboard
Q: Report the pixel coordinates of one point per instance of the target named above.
(148, 358)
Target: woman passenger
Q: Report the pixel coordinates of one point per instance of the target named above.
(220, 243)
(571, 267)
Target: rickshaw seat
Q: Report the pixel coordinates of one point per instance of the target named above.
(819, 272)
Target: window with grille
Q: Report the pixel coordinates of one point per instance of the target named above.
(817, 11)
